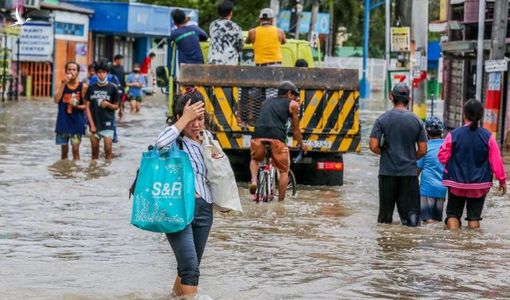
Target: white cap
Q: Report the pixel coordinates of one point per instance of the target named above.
(266, 13)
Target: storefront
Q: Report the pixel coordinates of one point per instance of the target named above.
(130, 29)
(57, 33)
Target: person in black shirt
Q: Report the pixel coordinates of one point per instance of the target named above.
(272, 126)
(117, 69)
(102, 100)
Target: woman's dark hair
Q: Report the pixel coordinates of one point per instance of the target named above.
(225, 8)
(72, 63)
(192, 95)
(473, 111)
(179, 16)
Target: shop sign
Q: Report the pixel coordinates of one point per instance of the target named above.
(496, 65)
(400, 39)
(36, 42)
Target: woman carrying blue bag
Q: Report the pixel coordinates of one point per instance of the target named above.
(189, 244)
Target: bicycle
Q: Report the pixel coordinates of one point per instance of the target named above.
(267, 178)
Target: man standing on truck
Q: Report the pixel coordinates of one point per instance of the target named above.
(267, 40)
(226, 37)
(187, 38)
(271, 126)
(400, 138)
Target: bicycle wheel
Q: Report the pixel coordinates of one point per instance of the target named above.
(270, 185)
(260, 186)
(267, 187)
(291, 186)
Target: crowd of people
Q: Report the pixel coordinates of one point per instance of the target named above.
(92, 103)
(418, 168)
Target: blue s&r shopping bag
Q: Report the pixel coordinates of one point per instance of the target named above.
(164, 196)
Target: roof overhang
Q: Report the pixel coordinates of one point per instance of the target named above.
(67, 7)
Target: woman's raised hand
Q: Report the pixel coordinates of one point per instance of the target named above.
(193, 111)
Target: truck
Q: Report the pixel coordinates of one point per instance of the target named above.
(329, 118)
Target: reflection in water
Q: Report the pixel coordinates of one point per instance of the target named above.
(65, 231)
(69, 169)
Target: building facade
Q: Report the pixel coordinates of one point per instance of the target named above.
(460, 64)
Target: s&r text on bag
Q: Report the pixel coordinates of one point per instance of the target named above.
(159, 189)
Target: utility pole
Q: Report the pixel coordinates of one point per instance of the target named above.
(331, 37)
(499, 25)
(294, 18)
(364, 85)
(420, 25)
(404, 8)
(387, 54)
(275, 6)
(479, 46)
(315, 12)
(497, 56)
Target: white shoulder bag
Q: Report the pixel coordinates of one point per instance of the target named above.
(220, 176)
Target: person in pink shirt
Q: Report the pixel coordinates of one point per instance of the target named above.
(471, 156)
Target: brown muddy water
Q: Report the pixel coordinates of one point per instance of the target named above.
(65, 231)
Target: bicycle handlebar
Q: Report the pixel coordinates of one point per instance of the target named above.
(299, 157)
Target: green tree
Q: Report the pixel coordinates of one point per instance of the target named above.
(246, 12)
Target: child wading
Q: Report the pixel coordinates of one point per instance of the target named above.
(471, 155)
(135, 82)
(102, 101)
(432, 191)
(71, 117)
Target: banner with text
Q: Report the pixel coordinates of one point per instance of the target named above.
(36, 42)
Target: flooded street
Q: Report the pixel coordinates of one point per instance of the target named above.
(65, 231)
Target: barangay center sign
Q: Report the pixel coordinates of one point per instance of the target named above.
(36, 42)
(400, 39)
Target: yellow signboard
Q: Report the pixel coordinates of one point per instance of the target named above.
(400, 39)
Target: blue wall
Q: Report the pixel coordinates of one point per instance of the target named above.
(149, 20)
(109, 17)
(128, 18)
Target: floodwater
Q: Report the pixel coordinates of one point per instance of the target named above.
(65, 231)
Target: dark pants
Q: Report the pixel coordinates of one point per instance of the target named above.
(405, 192)
(455, 207)
(189, 244)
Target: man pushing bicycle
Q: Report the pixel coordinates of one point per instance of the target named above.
(271, 127)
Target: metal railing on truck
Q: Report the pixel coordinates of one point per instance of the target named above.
(329, 119)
